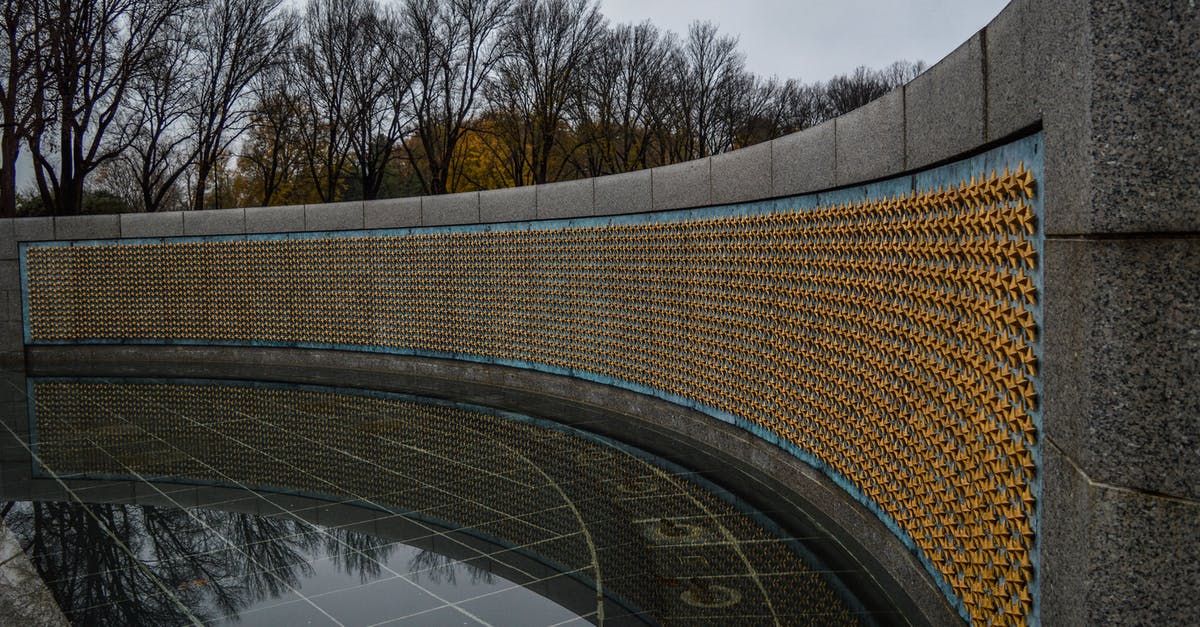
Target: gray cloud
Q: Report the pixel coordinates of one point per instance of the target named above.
(816, 39)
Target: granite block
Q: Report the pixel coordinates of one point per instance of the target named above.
(1145, 559)
(1030, 48)
(1012, 103)
(629, 192)
(682, 185)
(569, 199)
(33, 229)
(87, 227)
(1122, 360)
(214, 222)
(392, 213)
(1144, 119)
(1064, 510)
(283, 219)
(870, 140)
(943, 107)
(508, 205)
(462, 208)
(10, 275)
(804, 162)
(742, 175)
(13, 305)
(8, 239)
(12, 336)
(334, 216)
(1055, 79)
(12, 386)
(166, 224)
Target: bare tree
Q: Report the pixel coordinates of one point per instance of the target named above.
(705, 75)
(901, 72)
(746, 112)
(273, 147)
(18, 86)
(800, 106)
(236, 41)
(848, 92)
(454, 52)
(378, 87)
(617, 109)
(161, 103)
(331, 45)
(89, 53)
(549, 44)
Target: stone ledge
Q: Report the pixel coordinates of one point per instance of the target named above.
(165, 224)
(569, 199)
(943, 107)
(215, 222)
(87, 227)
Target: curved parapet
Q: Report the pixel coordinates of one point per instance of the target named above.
(937, 300)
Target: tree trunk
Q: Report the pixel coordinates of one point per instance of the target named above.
(10, 146)
(203, 168)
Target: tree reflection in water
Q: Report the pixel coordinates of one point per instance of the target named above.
(441, 568)
(213, 563)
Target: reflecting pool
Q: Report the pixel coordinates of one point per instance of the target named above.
(169, 501)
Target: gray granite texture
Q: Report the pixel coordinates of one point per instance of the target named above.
(1063, 539)
(508, 205)
(166, 224)
(12, 305)
(8, 240)
(10, 275)
(334, 216)
(804, 162)
(283, 219)
(1114, 556)
(943, 107)
(33, 229)
(214, 222)
(87, 227)
(870, 140)
(570, 199)
(623, 193)
(392, 213)
(1144, 116)
(450, 209)
(742, 175)
(1144, 566)
(1122, 364)
(681, 185)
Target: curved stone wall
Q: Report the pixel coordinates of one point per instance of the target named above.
(888, 335)
(1114, 268)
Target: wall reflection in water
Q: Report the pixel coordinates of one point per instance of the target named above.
(478, 498)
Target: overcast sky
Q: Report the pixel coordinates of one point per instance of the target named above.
(810, 40)
(813, 40)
